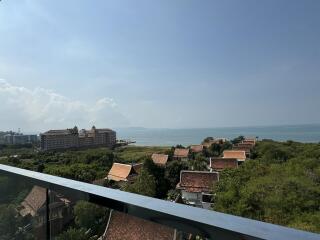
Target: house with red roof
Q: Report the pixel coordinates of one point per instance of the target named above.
(250, 140)
(181, 154)
(195, 187)
(219, 163)
(160, 159)
(120, 172)
(196, 148)
(237, 154)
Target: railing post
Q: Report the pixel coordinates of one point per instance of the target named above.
(47, 214)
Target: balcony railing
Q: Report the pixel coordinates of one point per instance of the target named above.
(187, 219)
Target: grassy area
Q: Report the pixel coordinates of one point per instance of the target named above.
(136, 153)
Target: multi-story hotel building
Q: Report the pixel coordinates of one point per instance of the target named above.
(72, 138)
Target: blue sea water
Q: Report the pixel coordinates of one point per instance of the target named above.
(170, 137)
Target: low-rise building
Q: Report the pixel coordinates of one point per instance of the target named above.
(243, 147)
(72, 138)
(160, 159)
(196, 186)
(250, 140)
(33, 208)
(239, 155)
(196, 148)
(181, 154)
(120, 172)
(219, 163)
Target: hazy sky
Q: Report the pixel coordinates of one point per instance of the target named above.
(158, 63)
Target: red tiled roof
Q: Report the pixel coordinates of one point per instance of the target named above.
(249, 141)
(181, 152)
(196, 148)
(240, 155)
(34, 201)
(197, 181)
(246, 145)
(119, 172)
(159, 159)
(123, 226)
(223, 163)
(241, 148)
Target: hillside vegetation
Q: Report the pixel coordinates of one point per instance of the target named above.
(281, 185)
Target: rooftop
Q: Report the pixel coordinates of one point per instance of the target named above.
(58, 132)
(34, 201)
(238, 154)
(121, 172)
(196, 148)
(181, 152)
(223, 163)
(197, 181)
(135, 228)
(159, 159)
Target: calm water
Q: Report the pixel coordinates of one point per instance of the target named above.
(169, 137)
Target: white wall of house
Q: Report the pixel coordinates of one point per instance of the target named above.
(192, 197)
(195, 199)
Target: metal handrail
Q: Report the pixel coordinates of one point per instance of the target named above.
(211, 224)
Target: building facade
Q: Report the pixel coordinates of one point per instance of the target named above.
(20, 139)
(72, 138)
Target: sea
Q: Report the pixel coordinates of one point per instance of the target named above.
(188, 136)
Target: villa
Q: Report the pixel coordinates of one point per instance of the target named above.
(120, 172)
(196, 186)
(160, 159)
(239, 155)
(219, 163)
(181, 154)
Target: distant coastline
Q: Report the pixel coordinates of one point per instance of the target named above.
(187, 136)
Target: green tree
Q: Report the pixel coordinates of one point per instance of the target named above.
(172, 172)
(158, 172)
(145, 184)
(8, 222)
(73, 234)
(207, 139)
(89, 216)
(200, 163)
(237, 140)
(281, 186)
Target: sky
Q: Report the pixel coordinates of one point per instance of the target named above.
(158, 64)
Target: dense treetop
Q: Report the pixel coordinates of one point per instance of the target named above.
(281, 185)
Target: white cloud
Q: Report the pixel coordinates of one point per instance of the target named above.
(41, 109)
